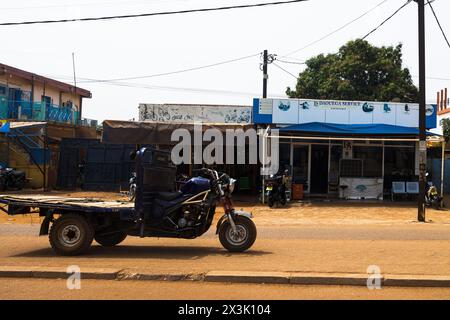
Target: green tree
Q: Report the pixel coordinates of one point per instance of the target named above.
(359, 71)
(446, 128)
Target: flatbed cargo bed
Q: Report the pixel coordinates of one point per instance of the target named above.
(65, 203)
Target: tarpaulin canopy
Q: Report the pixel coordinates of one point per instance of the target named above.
(320, 128)
(134, 132)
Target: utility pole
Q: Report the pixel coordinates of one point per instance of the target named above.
(422, 133)
(265, 75)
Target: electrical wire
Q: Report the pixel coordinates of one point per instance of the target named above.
(264, 4)
(386, 20)
(88, 4)
(184, 89)
(289, 62)
(337, 30)
(89, 80)
(281, 68)
(439, 24)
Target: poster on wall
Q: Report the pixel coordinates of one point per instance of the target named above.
(298, 111)
(285, 111)
(195, 113)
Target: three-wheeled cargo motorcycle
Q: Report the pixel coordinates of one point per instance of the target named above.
(158, 210)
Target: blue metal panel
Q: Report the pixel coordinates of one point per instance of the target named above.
(39, 156)
(431, 118)
(257, 117)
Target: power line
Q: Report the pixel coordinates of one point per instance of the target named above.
(439, 24)
(88, 80)
(337, 30)
(152, 13)
(281, 68)
(87, 4)
(289, 62)
(434, 78)
(386, 20)
(183, 89)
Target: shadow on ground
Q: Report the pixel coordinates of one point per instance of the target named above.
(146, 252)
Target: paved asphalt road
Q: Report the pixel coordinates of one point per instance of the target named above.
(412, 231)
(397, 249)
(410, 248)
(186, 290)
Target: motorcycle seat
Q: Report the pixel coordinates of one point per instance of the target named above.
(168, 196)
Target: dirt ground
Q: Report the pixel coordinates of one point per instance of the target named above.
(296, 213)
(307, 212)
(43, 289)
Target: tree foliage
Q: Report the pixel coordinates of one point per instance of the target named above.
(359, 71)
(445, 123)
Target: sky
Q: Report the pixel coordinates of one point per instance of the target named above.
(160, 44)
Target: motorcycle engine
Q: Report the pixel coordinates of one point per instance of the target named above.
(190, 215)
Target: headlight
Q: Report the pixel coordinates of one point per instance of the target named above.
(231, 185)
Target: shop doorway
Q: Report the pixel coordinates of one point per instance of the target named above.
(319, 169)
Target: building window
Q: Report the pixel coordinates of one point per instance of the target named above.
(2, 90)
(372, 160)
(300, 164)
(285, 157)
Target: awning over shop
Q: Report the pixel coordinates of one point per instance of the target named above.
(352, 129)
(134, 132)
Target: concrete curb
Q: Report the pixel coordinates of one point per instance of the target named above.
(56, 272)
(293, 278)
(247, 277)
(416, 281)
(331, 279)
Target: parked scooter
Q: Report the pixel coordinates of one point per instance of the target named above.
(432, 196)
(11, 179)
(276, 190)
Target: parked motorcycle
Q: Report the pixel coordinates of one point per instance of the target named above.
(11, 179)
(189, 213)
(432, 196)
(276, 190)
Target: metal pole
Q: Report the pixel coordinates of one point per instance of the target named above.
(442, 168)
(263, 164)
(265, 75)
(45, 159)
(422, 133)
(264, 95)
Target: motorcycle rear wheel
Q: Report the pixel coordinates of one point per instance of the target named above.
(242, 239)
(110, 239)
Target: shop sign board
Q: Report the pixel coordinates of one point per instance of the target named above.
(298, 111)
(180, 113)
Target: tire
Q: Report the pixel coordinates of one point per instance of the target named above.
(132, 193)
(226, 234)
(71, 235)
(110, 239)
(2, 184)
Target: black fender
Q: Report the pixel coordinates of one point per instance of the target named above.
(46, 224)
(225, 217)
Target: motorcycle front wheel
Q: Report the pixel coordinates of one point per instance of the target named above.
(132, 193)
(242, 239)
